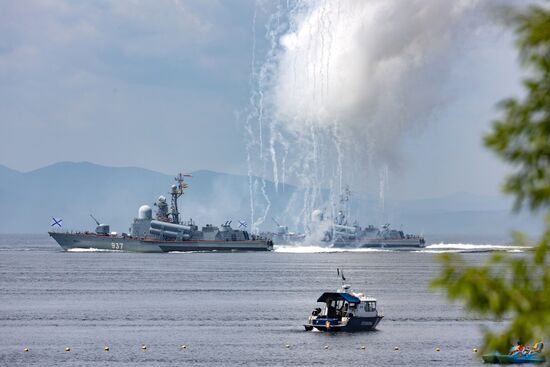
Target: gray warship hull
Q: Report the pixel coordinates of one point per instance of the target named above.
(383, 243)
(165, 233)
(395, 244)
(87, 241)
(399, 243)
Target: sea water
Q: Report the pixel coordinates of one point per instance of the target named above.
(226, 308)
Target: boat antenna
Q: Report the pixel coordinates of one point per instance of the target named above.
(277, 223)
(341, 274)
(95, 220)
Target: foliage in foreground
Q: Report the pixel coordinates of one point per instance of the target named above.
(516, 289)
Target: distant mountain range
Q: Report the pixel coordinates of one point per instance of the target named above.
(73, 191)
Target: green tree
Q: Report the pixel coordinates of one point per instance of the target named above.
(516, 288)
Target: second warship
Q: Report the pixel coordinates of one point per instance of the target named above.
(165, 233)
(337, 232)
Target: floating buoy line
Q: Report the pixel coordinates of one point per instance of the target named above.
(144, 347)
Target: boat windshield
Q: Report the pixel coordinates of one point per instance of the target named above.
(337, 308)
(370, 306)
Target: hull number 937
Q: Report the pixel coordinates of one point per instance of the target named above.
(117, 245)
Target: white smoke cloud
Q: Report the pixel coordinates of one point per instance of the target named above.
(373, 68)
(343, 82)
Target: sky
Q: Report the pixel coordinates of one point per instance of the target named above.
(165, 84)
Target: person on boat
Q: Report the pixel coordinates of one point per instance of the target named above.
(537, 347)
(517, 348)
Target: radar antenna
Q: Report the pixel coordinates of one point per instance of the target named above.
(340, 273)
(345, 196)
(175, 193)
(345, 204)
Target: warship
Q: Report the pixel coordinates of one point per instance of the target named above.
(164, 233)
(339, 233)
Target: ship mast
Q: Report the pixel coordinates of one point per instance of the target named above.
(175, 193)
(344, 211)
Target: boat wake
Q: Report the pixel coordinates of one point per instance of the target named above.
(320, 249)
(433, 248)
(90, 250)
(470, 247)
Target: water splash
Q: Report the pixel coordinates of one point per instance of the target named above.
(382, 191)
(431, 249)
(338, 86)
(295, 249)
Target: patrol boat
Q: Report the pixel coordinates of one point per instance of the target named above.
(344, 310)
(165, 233)
(370, 236)
(341, 233)
(338, 232)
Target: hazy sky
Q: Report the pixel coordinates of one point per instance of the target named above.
(160, 85)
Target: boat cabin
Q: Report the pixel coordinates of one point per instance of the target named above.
(338, 305)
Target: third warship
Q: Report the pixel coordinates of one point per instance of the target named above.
(339, 234)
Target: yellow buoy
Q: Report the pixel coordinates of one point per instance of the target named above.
(326, 346)
(67, 349)
(143, 347)
(25, 349)
(474, 350)
(396, 348)
(287, 346)
(183, 346)
(106, 348)
(437, 349)
(363, 347)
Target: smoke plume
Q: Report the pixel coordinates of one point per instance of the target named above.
(343, 81)
(373, 68)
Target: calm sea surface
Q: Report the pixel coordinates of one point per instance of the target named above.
(227, 308)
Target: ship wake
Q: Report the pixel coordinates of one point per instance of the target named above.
(90, 250)
(431, 249)
(470, 247)
(319, 249)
